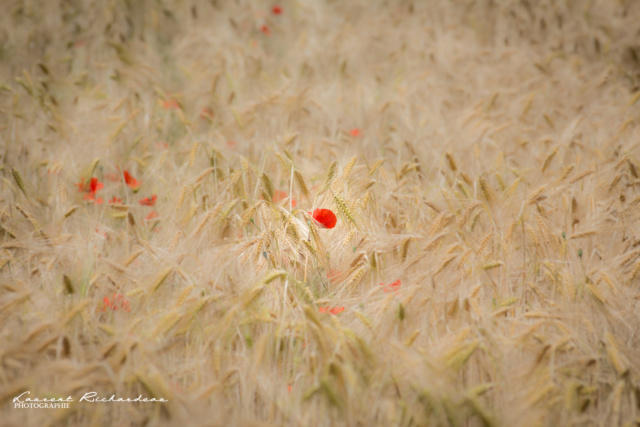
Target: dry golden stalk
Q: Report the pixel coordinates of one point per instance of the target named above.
(549, 158)
(375, 166)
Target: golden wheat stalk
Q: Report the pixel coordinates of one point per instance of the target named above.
(343, 208)
(302, 185)
(19, 181)
(268, 186)
(549, 159)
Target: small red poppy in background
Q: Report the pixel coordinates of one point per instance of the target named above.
(115, 200)
(152, 215)
(95, 185)
(281, 195)
(265, 30)
(131, 181)
(355, 132)
(116, 302)
(162, 145)
(231, 144)
(112, 177)
(91, 188)
(391, 287)
(149, 201)
(277, 10)
(332, 310)
(325, 217)
(170, 104)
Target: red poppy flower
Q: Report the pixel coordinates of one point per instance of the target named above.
(162, 145)
(355, 132)
(95, 185)
(152, 215)
(231, 144)
(115, 200)
(149, 201)
(391, 287)
(332, 310)
(336, 310)
(170, 104)
(116, 302)
(265, 30)
(131, 181)
(91, 188)
(325, 217)
(277, 10)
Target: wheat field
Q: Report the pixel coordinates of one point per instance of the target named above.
(162, 161)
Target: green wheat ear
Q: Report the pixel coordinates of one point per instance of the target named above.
(18, 179)
(302, 185)
(332, 171)
(268, 186)
(68, 285)
(342, 207)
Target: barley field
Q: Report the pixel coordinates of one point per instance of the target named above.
(171, 168)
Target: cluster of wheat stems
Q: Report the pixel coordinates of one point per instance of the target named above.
(484, 154)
